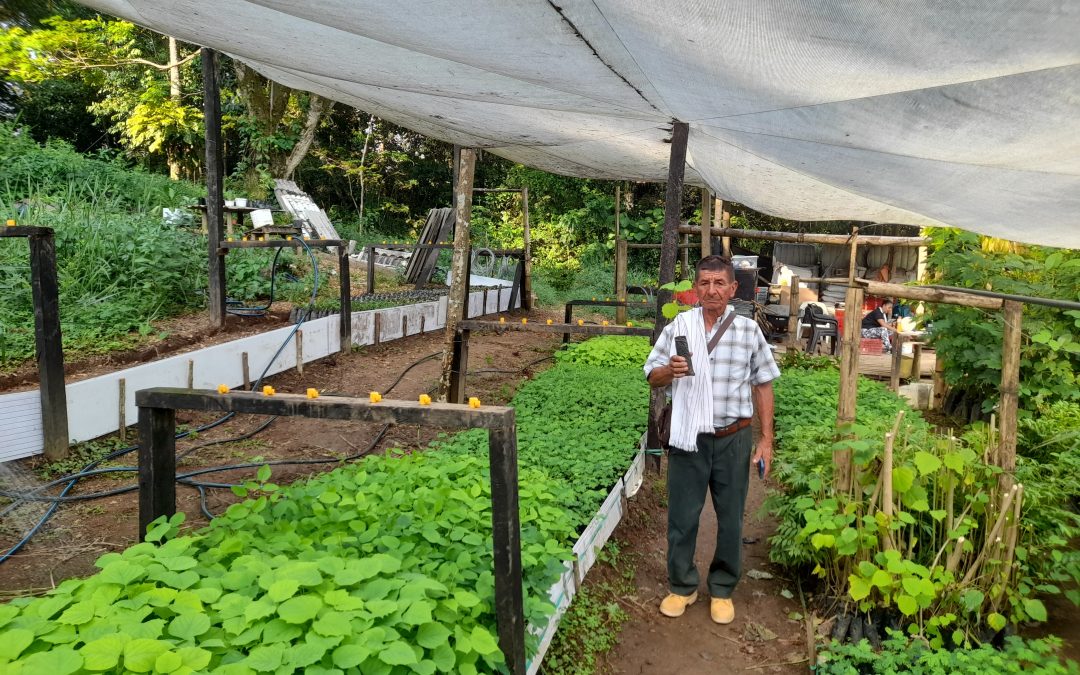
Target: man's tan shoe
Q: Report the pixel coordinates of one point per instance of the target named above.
(674, 605)
(722, 610)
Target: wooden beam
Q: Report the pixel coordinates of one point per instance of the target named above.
(157, 462)
(672, 211)
(843, 470)
(921, 293)
(586, 329)
(25, 231)
(279, 243)
(324, 407)
(215, 168)
(706, 222)
(457, 306)
(1010, 390)
(660, 246)
(620, 280)
(809, 238)
(370, 287)
(50, 352)
(506, 543)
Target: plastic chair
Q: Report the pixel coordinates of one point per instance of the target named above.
(821, 326)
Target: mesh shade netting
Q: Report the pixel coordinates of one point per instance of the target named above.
(927, 113)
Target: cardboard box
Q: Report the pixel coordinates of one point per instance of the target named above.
(806, 294)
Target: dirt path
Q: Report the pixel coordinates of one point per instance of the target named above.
(761, 639)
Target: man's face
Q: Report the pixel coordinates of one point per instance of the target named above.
(714, 290)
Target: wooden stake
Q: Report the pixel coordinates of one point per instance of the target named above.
(47, 341)
(299, 352)
(404, 325)
(378, 329)
(1010, 388)
(793, 314)
(123, 409)
(620, 280)
(897, 362)
(854, 255)
(459, 289)
(247, 373)
(706, 222)
(938, 398)
(849, 381)
(345, 299)
(190, 374)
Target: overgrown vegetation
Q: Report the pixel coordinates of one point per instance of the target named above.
(928, 542)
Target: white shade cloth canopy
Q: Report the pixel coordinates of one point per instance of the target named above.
(945, 113)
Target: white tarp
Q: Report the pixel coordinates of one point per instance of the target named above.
(928, 113)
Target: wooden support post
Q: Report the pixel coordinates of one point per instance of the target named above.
(684, 258)
(459, 366)
(457, 306)
(378, 328)
(793, 314)
(851, 263)
(506, 544)
(345, 325)
(122, 421)
(404, 325)
(937, 399)
(568, 314)
(849, 380)
(247, 371)
(916, 361)
(897, 361)
(526, 266)
(370, 269)
(191, 374)
(215, 170)
(620, 280)
(298, 339)
(672, 207)
(485, 303)
(723, 210)
(1010, 389)
(706, 222)
(50, 352)
(157, 465)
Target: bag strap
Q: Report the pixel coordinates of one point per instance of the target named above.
(721, 330)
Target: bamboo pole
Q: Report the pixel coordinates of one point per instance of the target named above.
(849, 380)
(1010, 388)
(809, 238)
(526, 286)
(922, 293)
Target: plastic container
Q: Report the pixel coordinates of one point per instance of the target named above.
(744, 261)
(840, 320)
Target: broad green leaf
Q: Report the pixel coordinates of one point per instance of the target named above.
(58, 661)
(418, 613)
(189, 626)
(903, 479)
(881, 579)
(926, 462)
(444, 657)
(77, 614)
(332, 624)
(995, 621)
(483, 642)
(858, 587)
(972, 599)
(14, 642)
(305, 654)
(300, 609)
(103, 653)
(350, 656)
(263, 474)
(280, 631)
(907, 604)
(954, 461)
(283, 589)
(821, 540)
(266, 658)
(168, 662)
(958, 637)
(141, 654)
(195, 658)
(431, 635)
(1035, 609)
(398, 653)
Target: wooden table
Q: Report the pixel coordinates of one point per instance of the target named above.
(234, 215)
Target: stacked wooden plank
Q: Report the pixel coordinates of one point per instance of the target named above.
(437, 229)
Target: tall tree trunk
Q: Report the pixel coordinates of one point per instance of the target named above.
(174, 94)
(317, 107)
(459, 291)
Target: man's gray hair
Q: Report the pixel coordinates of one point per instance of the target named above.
(715, 263)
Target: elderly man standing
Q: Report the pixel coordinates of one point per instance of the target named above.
(710, 432)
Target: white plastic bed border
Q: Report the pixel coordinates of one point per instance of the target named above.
(94, 403)
(586, 550)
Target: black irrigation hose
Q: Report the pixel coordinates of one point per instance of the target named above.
(75, 478)
(258, 311)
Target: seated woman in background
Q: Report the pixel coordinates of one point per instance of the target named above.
(876, 325)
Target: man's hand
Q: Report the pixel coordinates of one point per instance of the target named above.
(679, 367)
(763, 450)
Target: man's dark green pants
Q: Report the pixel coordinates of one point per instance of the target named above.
(720, 466)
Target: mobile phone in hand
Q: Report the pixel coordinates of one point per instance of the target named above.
(683, 350)
(761, 468)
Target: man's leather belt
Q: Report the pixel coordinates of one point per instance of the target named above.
(738, 425)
